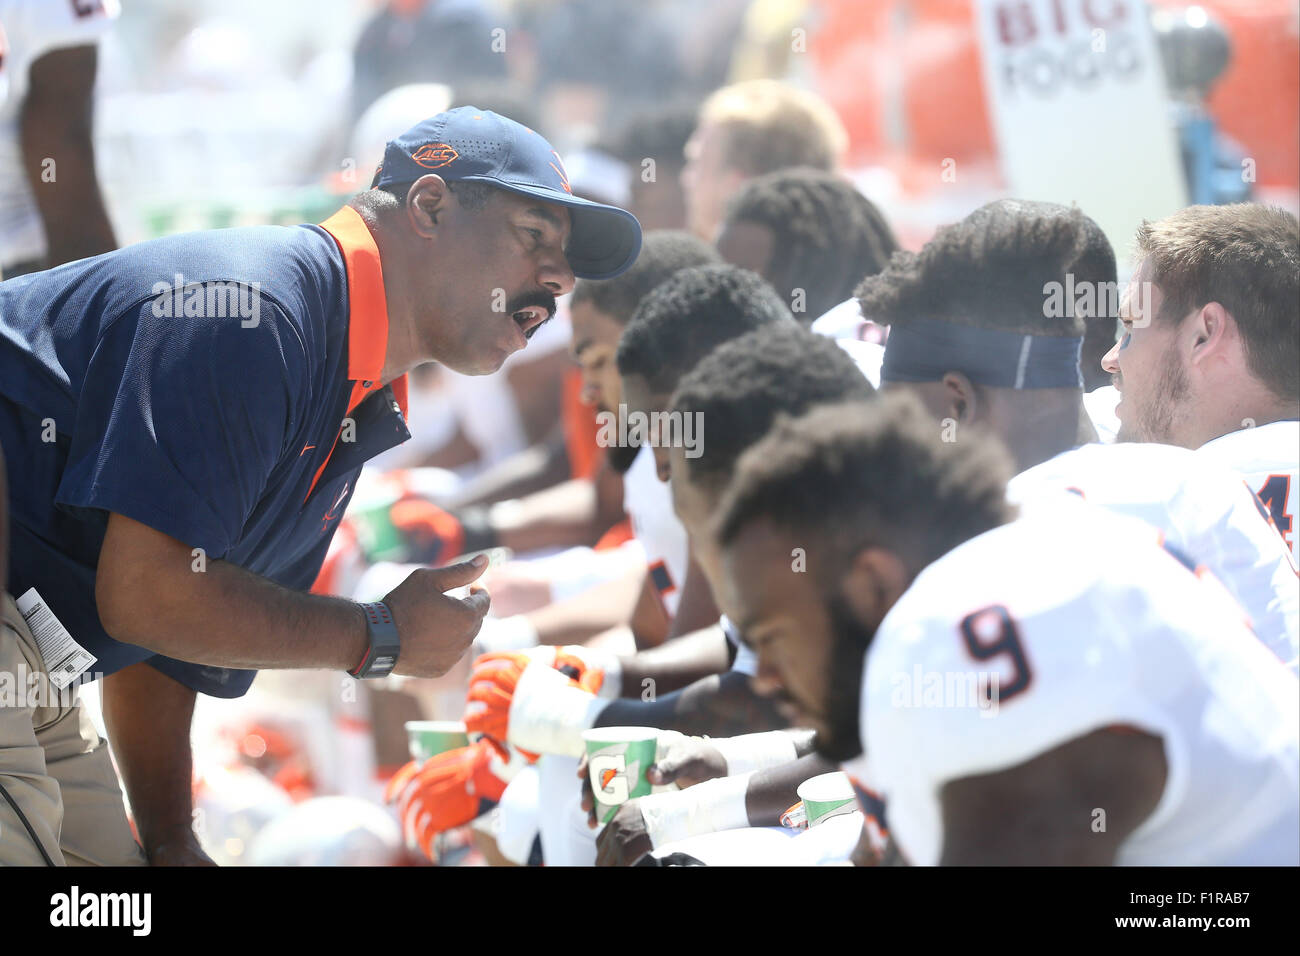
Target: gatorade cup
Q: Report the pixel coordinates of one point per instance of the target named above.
(617, 759)
(827, 795)
(428, 738)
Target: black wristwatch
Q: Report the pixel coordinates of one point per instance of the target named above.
(381, 655)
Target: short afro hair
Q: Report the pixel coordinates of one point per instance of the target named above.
(990, 271)
(743, 385)
(688, 316)
(827, 235)
(867, 474)
(664, 252)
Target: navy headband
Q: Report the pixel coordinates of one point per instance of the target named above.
(924, 349)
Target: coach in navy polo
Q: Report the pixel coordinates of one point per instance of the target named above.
(184, 422)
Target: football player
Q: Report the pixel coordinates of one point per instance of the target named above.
(1053, 689)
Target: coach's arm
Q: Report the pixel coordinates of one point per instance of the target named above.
(149, 593)
(148, 715)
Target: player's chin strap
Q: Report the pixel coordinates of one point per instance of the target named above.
(30, 832)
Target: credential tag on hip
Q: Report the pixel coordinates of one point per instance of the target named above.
(65, 659)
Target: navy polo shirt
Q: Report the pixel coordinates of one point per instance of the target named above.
(221, 387)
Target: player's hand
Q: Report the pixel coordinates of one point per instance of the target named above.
(435, 628)
(669, 740)
(443, 792)
(686, 762)
(495, 677)
(624, 839)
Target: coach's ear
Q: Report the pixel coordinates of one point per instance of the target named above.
(426, 202)
(963, 402)
(876, 580)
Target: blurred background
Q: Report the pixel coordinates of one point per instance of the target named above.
(221, 112)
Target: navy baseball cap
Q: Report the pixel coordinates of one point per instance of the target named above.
(477, 145)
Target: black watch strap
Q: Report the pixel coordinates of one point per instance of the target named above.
(383, 647)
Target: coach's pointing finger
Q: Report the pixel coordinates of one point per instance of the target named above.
(435, 628)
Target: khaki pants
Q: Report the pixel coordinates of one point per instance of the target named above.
(55, 767)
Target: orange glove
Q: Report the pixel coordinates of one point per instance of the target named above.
(435, 536)
(443, 792)
(492, 684)
(495, 676)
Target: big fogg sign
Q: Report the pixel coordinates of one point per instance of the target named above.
(1079, 109)
(1045, 47)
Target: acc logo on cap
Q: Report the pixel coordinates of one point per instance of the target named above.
(434, 155)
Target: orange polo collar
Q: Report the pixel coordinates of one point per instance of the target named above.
(367, 307)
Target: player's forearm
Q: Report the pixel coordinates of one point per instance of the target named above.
(563, 516)
(533, 469)
(55, 124)
(582, 617)
(773, 791)
(677, 663)
(718, 706)
(147, 715)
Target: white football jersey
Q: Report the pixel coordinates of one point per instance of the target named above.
(649, 503)
(1268, 457)
(1204, 510)
(32, 29)
(1100, 406)
(868, 356)
(746, 661)
(1082, 622)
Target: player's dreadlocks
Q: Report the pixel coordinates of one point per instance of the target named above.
(828, 236)
(989, 271)
(688, 316)
(742, 385)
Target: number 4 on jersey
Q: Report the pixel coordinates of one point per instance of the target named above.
(1275, 495)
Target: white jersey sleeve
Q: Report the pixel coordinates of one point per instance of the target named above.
(746, 661)
(868, 356)
(1203, 509)
(1268, 458)
(840, 321)
(649, 503)
(1086, 624)
(1100, 405)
